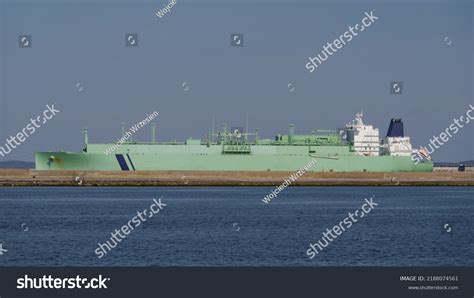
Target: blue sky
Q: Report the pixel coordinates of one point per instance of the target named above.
(84, 42)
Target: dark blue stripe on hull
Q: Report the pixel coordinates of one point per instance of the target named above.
(131, 163)
(122, 162)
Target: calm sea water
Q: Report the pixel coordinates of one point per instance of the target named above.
(231, 226)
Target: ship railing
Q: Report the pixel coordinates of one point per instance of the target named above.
(152, 143)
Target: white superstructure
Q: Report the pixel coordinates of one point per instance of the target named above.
(365, 138)
(397, 146)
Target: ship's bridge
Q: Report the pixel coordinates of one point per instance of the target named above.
(364, 138)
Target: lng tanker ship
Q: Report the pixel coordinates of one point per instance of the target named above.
(355, 148)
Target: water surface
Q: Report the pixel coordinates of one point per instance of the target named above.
(231, 226)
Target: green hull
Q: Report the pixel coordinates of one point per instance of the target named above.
(211, 157)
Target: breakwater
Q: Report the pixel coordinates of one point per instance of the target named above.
(21, 177)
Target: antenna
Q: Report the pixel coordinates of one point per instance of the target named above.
(86, 136)
(153, 132)
(212, 136)
(246, 122)
(246, 125)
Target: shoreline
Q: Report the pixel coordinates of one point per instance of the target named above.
(25, 177)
